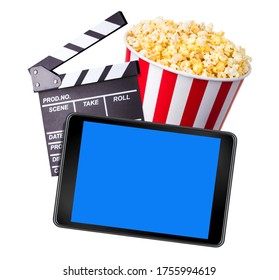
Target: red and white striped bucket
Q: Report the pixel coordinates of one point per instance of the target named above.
(174, 97)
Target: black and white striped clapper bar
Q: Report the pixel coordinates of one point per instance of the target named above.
(107, 91)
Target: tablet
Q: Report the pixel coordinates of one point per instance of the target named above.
(144, 179)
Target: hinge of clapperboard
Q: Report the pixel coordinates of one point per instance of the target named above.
(44, 78)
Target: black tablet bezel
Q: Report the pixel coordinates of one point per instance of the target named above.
(68, 170)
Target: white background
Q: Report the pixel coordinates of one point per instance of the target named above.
(31, 247)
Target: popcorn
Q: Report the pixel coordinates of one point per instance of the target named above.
(189, 47)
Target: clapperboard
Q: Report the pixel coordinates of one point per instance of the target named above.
(107, 91)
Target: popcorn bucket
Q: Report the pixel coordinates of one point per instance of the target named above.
(175, 97)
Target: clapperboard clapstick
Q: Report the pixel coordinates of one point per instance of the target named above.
(107, 91)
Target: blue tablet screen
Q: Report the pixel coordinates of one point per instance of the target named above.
(146, 180)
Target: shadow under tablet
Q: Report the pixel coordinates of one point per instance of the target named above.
(145, 180)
